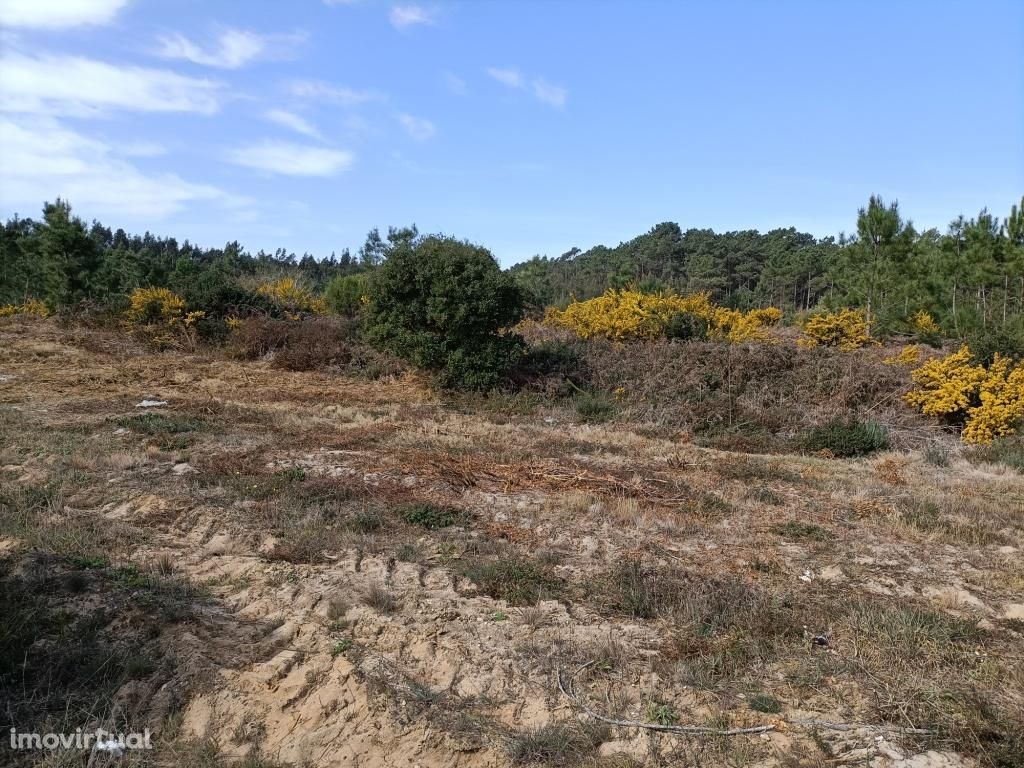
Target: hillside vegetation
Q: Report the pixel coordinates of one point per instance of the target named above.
(410, 508)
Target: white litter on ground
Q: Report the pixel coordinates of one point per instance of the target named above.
(151, 404)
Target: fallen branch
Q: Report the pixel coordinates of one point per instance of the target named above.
(567, 688)
(687, 729)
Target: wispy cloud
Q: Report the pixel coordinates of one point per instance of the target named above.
(284, 158)
(454, 83)
(58, 13)
(295, 122)
(545, 92)
(406, 16)
(43, 159)
(555, 95)
(418, 128)
(513, 78)
(142, 149)
(341, 95)
(74, 85)
(233, 48)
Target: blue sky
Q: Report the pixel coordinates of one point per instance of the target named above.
(529, 127)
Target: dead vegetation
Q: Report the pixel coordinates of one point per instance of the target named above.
(320, 567)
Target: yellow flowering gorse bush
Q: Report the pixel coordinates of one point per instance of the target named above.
(923, 323)
(1001, 405)
(946, 385)
(846, 329)
(159, 315)
(292, 298)
(32, 307)
(988, 401)
(909, 355)
(622, 315)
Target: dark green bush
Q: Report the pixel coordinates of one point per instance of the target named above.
(686, 326)
(442, 304)
(553, 357)
(848, 437)
(986, 343)
(430, 516)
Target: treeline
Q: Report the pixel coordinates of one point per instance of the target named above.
(971, 276)
(63, 261)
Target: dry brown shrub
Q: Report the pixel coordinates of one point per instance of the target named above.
(311, 344)
(753, 397)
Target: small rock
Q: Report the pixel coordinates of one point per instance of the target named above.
(183, 469)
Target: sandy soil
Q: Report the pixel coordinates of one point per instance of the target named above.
(328, 641)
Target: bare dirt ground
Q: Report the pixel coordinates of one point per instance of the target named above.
(331, 571)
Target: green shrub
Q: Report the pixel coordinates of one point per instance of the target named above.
(345, 294)
(430, 516)
(762, 702)
(848, 437)
(1007, 451)
(662, 713)
(687, 326)
(594, 408)
(986, 343)
(442, 304)
(553, 357)
(516, 580)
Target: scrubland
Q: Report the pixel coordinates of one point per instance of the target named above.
(311, 561)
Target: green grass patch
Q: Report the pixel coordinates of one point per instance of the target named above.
(161, 423)
(431, 516)
(847, 438)
(516, 580)
(799, 531)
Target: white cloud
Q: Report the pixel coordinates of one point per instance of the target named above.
(291, 159)
(406, 16)
(317, 90)
(555, 95)
(294, 122)
(58, 13)
(513, 78)
(418, 128)
(43, 160)
(234, 48)
(73, 85)
(548, 93)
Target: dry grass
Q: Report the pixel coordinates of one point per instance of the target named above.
(676, 568)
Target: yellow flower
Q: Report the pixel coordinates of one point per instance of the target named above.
(846, 329)
(32, 307)
(292, 298)
(989, 402)
(924, 323)
(909, 355)
(623, 315)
